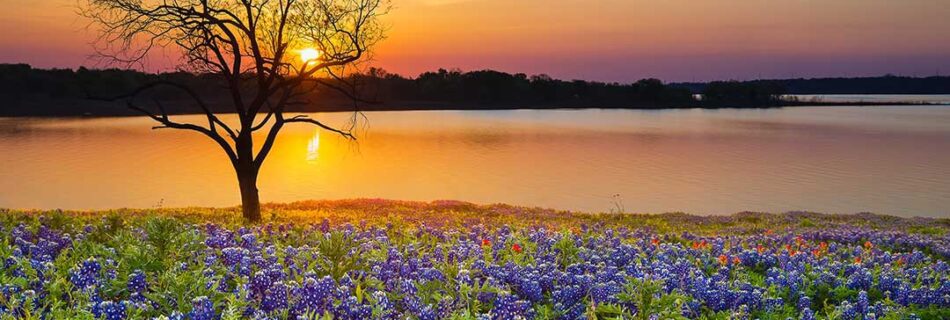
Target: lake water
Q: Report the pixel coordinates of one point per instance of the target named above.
(892, 160)
(876, 98)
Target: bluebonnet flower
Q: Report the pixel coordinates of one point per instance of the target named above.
(233, 256)
(567, 300)
(431, 274)
(202, 309)
(531, 290)
(86, 274)
(109, 310)
(315, 295)
(807, 314)
(137, 282)
(774, 304)
(509, 307)
(847, 311)
(352, 309)
(249, 241)
(863, 303)
(804, 303)
(860, 279)
(275, 297)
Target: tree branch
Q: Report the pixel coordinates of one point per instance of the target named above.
(212, 118)
(167, 123)
(305, 119)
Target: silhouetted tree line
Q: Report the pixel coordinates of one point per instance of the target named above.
(743, 94)
(492, 89)
(28, 91)
(25, 91)
(888, 84)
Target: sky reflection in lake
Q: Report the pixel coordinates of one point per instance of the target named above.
(893, 160)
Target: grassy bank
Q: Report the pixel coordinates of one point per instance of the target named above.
(450, 213)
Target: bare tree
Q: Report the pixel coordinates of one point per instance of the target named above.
(255, 47)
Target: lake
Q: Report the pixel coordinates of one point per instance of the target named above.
(891, 160)
(876, 98)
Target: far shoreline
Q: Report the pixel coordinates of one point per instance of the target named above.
(446, 106)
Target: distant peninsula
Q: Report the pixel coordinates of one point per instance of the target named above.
(27, 91)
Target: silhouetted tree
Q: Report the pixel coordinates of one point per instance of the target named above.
(251, 46)
(734, 93)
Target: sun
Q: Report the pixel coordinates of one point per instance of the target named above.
(309, 54)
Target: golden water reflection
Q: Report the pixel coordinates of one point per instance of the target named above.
(313, 148)
(890, 159)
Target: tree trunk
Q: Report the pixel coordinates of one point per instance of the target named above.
(250, 200)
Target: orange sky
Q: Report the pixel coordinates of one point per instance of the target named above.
(611, 40)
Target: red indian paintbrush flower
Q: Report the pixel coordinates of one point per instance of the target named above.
(516, 248)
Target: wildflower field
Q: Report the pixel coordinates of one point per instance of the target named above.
(379, 259)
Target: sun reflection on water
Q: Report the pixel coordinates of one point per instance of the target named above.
(313, 147)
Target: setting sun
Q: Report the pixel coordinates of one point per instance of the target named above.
(309, 54)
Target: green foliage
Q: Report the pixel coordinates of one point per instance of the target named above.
(340, 254)
(806, 223)
(650, 299)
(566, 251)
(163, 234)
(933, 313)
(927, 230)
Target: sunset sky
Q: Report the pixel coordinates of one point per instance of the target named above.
(607, 40)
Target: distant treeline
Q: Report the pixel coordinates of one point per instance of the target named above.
(888, 84)
(25, 91)
(487, 88)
